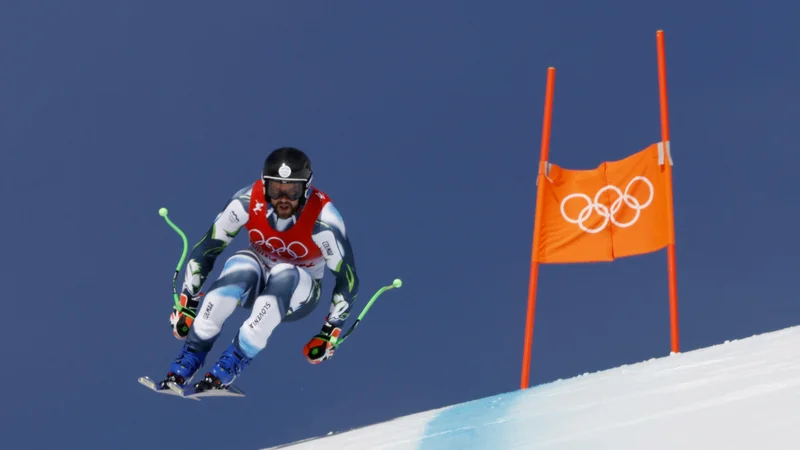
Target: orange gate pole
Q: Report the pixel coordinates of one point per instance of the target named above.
(534, 273)
(671, 264)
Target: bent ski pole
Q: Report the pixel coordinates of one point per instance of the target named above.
(178, 307)
(395, 284)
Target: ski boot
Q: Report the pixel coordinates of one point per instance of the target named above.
(184, 366)
(231, 363)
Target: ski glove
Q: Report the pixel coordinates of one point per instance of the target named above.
(181, 321)
(322, 346)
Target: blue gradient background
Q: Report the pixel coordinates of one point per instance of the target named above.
(423, 120)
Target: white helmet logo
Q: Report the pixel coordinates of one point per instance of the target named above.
(284, 170)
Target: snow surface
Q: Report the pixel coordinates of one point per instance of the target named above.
(742, 394)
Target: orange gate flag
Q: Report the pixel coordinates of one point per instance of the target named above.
(615, 210)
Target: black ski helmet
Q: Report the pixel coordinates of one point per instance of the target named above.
(288, 164)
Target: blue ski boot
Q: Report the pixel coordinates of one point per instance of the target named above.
(230, 364)
(184, 366)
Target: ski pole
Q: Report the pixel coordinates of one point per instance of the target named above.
(178, 307)
(395, 284)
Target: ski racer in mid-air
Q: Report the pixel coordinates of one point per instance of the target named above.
(295, 231)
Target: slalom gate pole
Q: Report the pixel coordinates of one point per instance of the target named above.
(533, 279)
(665, 139)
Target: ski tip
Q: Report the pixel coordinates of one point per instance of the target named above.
(153, 386)
(148, 382)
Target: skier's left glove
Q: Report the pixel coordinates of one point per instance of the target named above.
(322, 346)
(180, 321)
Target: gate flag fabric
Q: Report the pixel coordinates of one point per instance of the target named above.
(616, 210)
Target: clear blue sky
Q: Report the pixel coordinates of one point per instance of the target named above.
(423, 121)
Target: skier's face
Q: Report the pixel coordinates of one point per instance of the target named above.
(285, 197)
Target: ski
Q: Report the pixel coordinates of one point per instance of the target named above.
(189, 392)
(153, 386)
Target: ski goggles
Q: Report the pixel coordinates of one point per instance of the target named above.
(275, 189)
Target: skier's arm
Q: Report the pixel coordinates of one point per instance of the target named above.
(331, 237)
(225, 227)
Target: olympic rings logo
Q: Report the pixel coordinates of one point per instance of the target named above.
(275, 245)
(604, 211)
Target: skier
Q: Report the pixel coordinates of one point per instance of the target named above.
(295, 231)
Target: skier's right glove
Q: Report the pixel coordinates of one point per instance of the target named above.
(181, 321)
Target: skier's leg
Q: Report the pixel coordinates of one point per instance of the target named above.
(241, 279)
(290, 294)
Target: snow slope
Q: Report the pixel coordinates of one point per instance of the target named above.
(742, 394)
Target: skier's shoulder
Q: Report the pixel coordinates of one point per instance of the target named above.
(243, 194)
(237, 207)
(329, 216)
